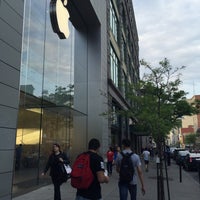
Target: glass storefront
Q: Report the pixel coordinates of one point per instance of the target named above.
(46, 110)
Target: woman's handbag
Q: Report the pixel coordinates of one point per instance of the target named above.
(65, 172)
(68, 169)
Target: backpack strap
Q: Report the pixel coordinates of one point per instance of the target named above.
(126, 154)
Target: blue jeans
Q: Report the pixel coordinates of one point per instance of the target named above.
(82, 198)
(124, 188)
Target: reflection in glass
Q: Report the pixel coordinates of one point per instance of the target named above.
(46, 95)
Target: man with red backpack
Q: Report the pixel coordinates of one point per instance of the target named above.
(92, 180)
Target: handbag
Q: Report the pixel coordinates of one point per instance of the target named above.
(65, 172)
(68, 169)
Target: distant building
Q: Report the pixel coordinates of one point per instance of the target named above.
(174, 137)
(190, 124)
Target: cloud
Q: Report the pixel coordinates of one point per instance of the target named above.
(169, 28)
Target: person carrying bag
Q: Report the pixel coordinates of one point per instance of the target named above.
(55, 163)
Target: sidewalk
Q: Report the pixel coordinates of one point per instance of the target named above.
(187, 189)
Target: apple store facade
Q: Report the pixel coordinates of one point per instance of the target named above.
(58, 93)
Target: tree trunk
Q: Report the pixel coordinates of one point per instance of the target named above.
(160, 177)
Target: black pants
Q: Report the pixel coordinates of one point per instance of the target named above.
(109, 167)
(57, 183)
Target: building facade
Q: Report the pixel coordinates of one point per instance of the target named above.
(190, 124)
(55, 90)
(194, 120)
(123, 59)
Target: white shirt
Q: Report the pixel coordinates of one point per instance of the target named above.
(146, 154)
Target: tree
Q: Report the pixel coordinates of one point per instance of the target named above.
(62, 96)
(158, 107)
(191, 139)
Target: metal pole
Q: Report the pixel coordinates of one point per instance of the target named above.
(199, 172)
(180, 173)
(158, 177)
(198, 165)
(166, 172)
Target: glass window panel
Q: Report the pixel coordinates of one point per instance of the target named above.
(47, 70)
(114, 67)
(32, 49)
(59, 67)
(113, 21)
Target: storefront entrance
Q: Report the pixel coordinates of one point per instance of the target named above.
(38, 128)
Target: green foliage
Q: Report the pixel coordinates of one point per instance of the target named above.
(159, 104)
(62, 96)
(190, 139)
(196, 106)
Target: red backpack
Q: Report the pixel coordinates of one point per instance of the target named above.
(81, 175)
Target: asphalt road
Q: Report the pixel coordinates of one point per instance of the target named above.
(193, 174)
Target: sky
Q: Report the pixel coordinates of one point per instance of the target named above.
(171, 29)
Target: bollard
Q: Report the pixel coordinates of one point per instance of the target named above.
(158, 177)
(198, 167)
(180, 173)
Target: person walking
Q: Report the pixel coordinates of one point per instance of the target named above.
(18, 154)
(110, 159)
(167, 155)
(97, 167)
(146, 156)
(117, 150)
(55, 161)
(131, 186)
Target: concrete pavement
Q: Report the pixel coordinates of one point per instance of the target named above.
(185, 190)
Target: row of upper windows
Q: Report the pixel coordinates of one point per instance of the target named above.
(114, 67)
(115, 27)
(117, 75)
(126, 48)
(113, 22)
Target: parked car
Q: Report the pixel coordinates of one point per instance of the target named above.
(172, 151)
(175, 153)
(181, 156)
(190, 162)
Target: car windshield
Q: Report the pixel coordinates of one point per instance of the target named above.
(195, 155)
(172, 149)
(183, 153)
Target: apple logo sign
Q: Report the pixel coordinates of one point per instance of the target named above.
(59, 16)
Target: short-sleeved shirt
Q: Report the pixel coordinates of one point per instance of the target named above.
(136, 163)
(146, 155)
(110, 156)
(94, 191)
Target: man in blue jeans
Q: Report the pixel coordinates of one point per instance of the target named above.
(131, 186)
